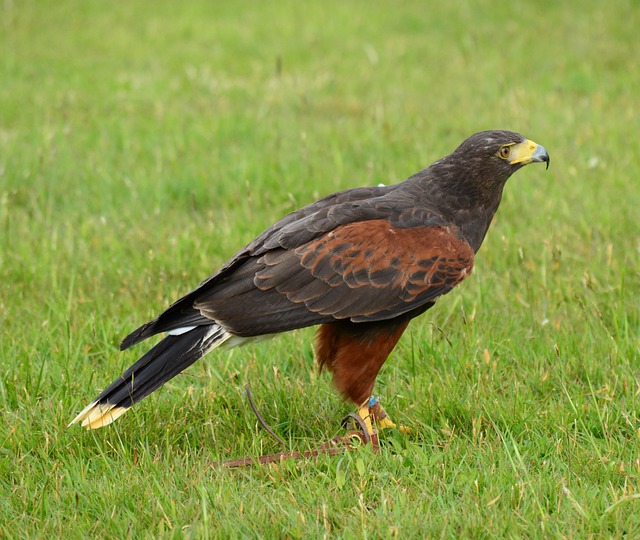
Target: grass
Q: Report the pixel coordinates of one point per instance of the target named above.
(142, 145)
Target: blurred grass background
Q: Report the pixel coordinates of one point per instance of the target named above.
(142, 144)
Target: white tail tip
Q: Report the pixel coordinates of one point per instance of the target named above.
(97, 415)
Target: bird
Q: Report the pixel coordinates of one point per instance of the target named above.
(360, 263)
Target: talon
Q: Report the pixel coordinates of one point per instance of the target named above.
(382, 419)
(386, 423)
(371, 418)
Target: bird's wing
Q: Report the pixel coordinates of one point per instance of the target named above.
(362, 271)
(369, 270)
(282, 280)
(292, 230)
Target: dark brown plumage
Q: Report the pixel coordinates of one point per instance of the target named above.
(361, 263)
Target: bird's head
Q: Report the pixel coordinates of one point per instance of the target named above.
(507, 148)
(495, 155)
(475, 173)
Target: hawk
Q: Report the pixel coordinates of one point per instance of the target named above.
(360, 263)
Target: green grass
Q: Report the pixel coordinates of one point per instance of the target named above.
(142, 144)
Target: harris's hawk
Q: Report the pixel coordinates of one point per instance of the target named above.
(360, 263)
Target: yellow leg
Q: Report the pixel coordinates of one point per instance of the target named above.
(372, 414)
(365, 414)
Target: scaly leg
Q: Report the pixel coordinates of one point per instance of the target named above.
(380, 417)
(372, 413)
(365, 413)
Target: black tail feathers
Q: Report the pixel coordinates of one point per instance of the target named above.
(160, 364)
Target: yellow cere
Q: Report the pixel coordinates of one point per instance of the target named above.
(522, 152)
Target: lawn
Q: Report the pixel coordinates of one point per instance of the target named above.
(142, 144)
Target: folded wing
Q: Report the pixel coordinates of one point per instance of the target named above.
(362, 271)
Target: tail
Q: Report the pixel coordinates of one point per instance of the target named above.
(163, 362)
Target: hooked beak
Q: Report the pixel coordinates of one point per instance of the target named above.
(528, 152)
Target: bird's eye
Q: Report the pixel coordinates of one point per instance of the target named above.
(504, 152)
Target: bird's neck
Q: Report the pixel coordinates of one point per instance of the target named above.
(475, 224)
(468, 205)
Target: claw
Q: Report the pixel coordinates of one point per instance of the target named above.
(386, 423)
(371, 418)
(382, 419)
